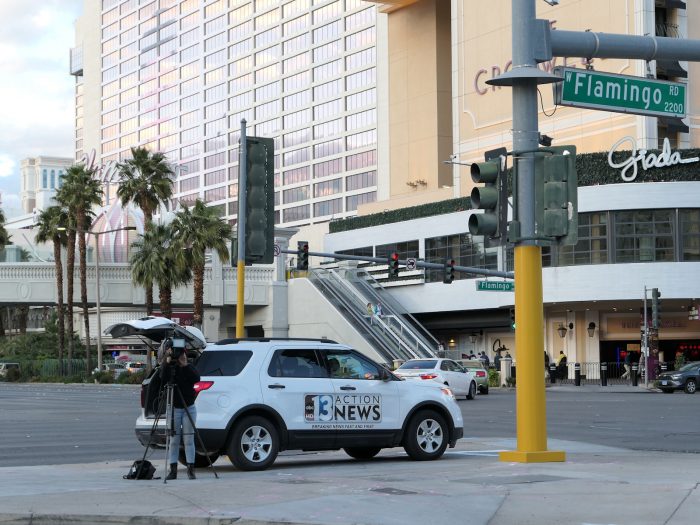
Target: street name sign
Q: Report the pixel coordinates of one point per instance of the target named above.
(584, 88)
(495, 286)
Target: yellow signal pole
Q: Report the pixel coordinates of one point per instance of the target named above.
(240, 275)
(531, 409)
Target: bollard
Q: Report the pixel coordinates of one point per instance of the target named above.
(552, 373)
(635, 367)
(603, 374)
(577, 374)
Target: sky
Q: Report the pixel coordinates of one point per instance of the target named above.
(36, 90)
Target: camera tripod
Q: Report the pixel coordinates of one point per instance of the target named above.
(166, 406)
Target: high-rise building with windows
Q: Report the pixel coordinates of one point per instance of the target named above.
(178, 76)
(40, 178)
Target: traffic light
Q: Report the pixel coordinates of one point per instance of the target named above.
(557, 195)
(512, 318)
(260, 201)
(393, 262)
(491, 198)
(655, 308)
(449, 275)
(302, 255)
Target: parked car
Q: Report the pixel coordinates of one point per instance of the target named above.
(686, 378)
(444, 371)
(116, 368)
(481, 375)
(134, 366)
(6, 367)
(257, 397)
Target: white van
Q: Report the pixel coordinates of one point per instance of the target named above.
(4, 367)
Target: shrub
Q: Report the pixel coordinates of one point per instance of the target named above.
(494, 377)
(13, 374)
(103, 377)
(131, 379)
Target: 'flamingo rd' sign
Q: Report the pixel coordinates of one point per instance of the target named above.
(646, 160)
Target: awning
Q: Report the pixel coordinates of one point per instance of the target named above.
(671, 68)
(673, 124)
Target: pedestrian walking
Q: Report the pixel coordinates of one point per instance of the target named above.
(627, 364)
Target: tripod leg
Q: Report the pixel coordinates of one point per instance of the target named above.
(169, 415)
(159, 412)
(196, 433)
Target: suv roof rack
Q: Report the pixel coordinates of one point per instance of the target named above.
(235, 340)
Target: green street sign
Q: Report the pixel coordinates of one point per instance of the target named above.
(495, 286)
(583, 88)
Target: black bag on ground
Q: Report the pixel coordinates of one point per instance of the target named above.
(141, 470)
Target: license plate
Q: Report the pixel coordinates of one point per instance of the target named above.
(664, 382)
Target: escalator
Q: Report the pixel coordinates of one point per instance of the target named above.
(394, 335)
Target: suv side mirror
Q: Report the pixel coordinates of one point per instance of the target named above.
(383, 374)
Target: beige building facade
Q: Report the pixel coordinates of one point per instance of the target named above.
(434, 116)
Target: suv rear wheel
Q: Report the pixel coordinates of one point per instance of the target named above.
(254, 444)
(362, 453)
(426, 436)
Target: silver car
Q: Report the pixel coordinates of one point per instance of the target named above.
(446, 371)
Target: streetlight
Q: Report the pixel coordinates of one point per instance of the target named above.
(97, 283)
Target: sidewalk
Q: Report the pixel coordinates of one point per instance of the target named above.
(612, 389)
(596, 485)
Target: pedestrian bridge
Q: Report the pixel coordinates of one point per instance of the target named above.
(35, 284)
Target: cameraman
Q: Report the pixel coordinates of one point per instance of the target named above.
(177, 370)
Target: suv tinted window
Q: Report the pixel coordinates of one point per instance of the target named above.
(296, 363)
(223, 363)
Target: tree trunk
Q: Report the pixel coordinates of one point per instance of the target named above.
(166, 306)
(59, 304)
(83, 286)
(147, 223)
(198, 272)
(22, 316)
(70, 266)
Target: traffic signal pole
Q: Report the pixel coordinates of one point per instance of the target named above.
(240, 263)
(524, 78)
(533, 41)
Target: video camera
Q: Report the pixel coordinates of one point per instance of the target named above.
(174, 348)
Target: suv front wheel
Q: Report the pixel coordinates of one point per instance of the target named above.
(254, 444)
(426, 436)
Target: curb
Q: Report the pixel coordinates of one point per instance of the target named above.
(91, 519)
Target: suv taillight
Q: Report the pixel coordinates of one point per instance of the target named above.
(143, 396)
(428, 376)
(202, 385)
(480, 373)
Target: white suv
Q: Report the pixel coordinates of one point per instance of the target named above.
(257, 397)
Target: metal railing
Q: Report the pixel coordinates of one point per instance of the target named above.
(610, 373)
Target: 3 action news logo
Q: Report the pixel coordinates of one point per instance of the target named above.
(344, 408)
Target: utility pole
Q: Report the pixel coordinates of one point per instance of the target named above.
(240, 275)
(533, 42)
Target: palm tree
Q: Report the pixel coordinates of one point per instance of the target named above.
(146, 180)
(4, 239)
(50, 220)
(154, 259)
(200, 229)
(79, 192)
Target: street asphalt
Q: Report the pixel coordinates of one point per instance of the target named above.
(469, 485)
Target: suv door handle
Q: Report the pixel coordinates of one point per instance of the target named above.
(348, 388)
(275, 386)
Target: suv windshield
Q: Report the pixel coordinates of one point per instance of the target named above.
(689, 366)
(418, 365)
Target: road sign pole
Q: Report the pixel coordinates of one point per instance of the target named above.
(531, 417)
(240, 275)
